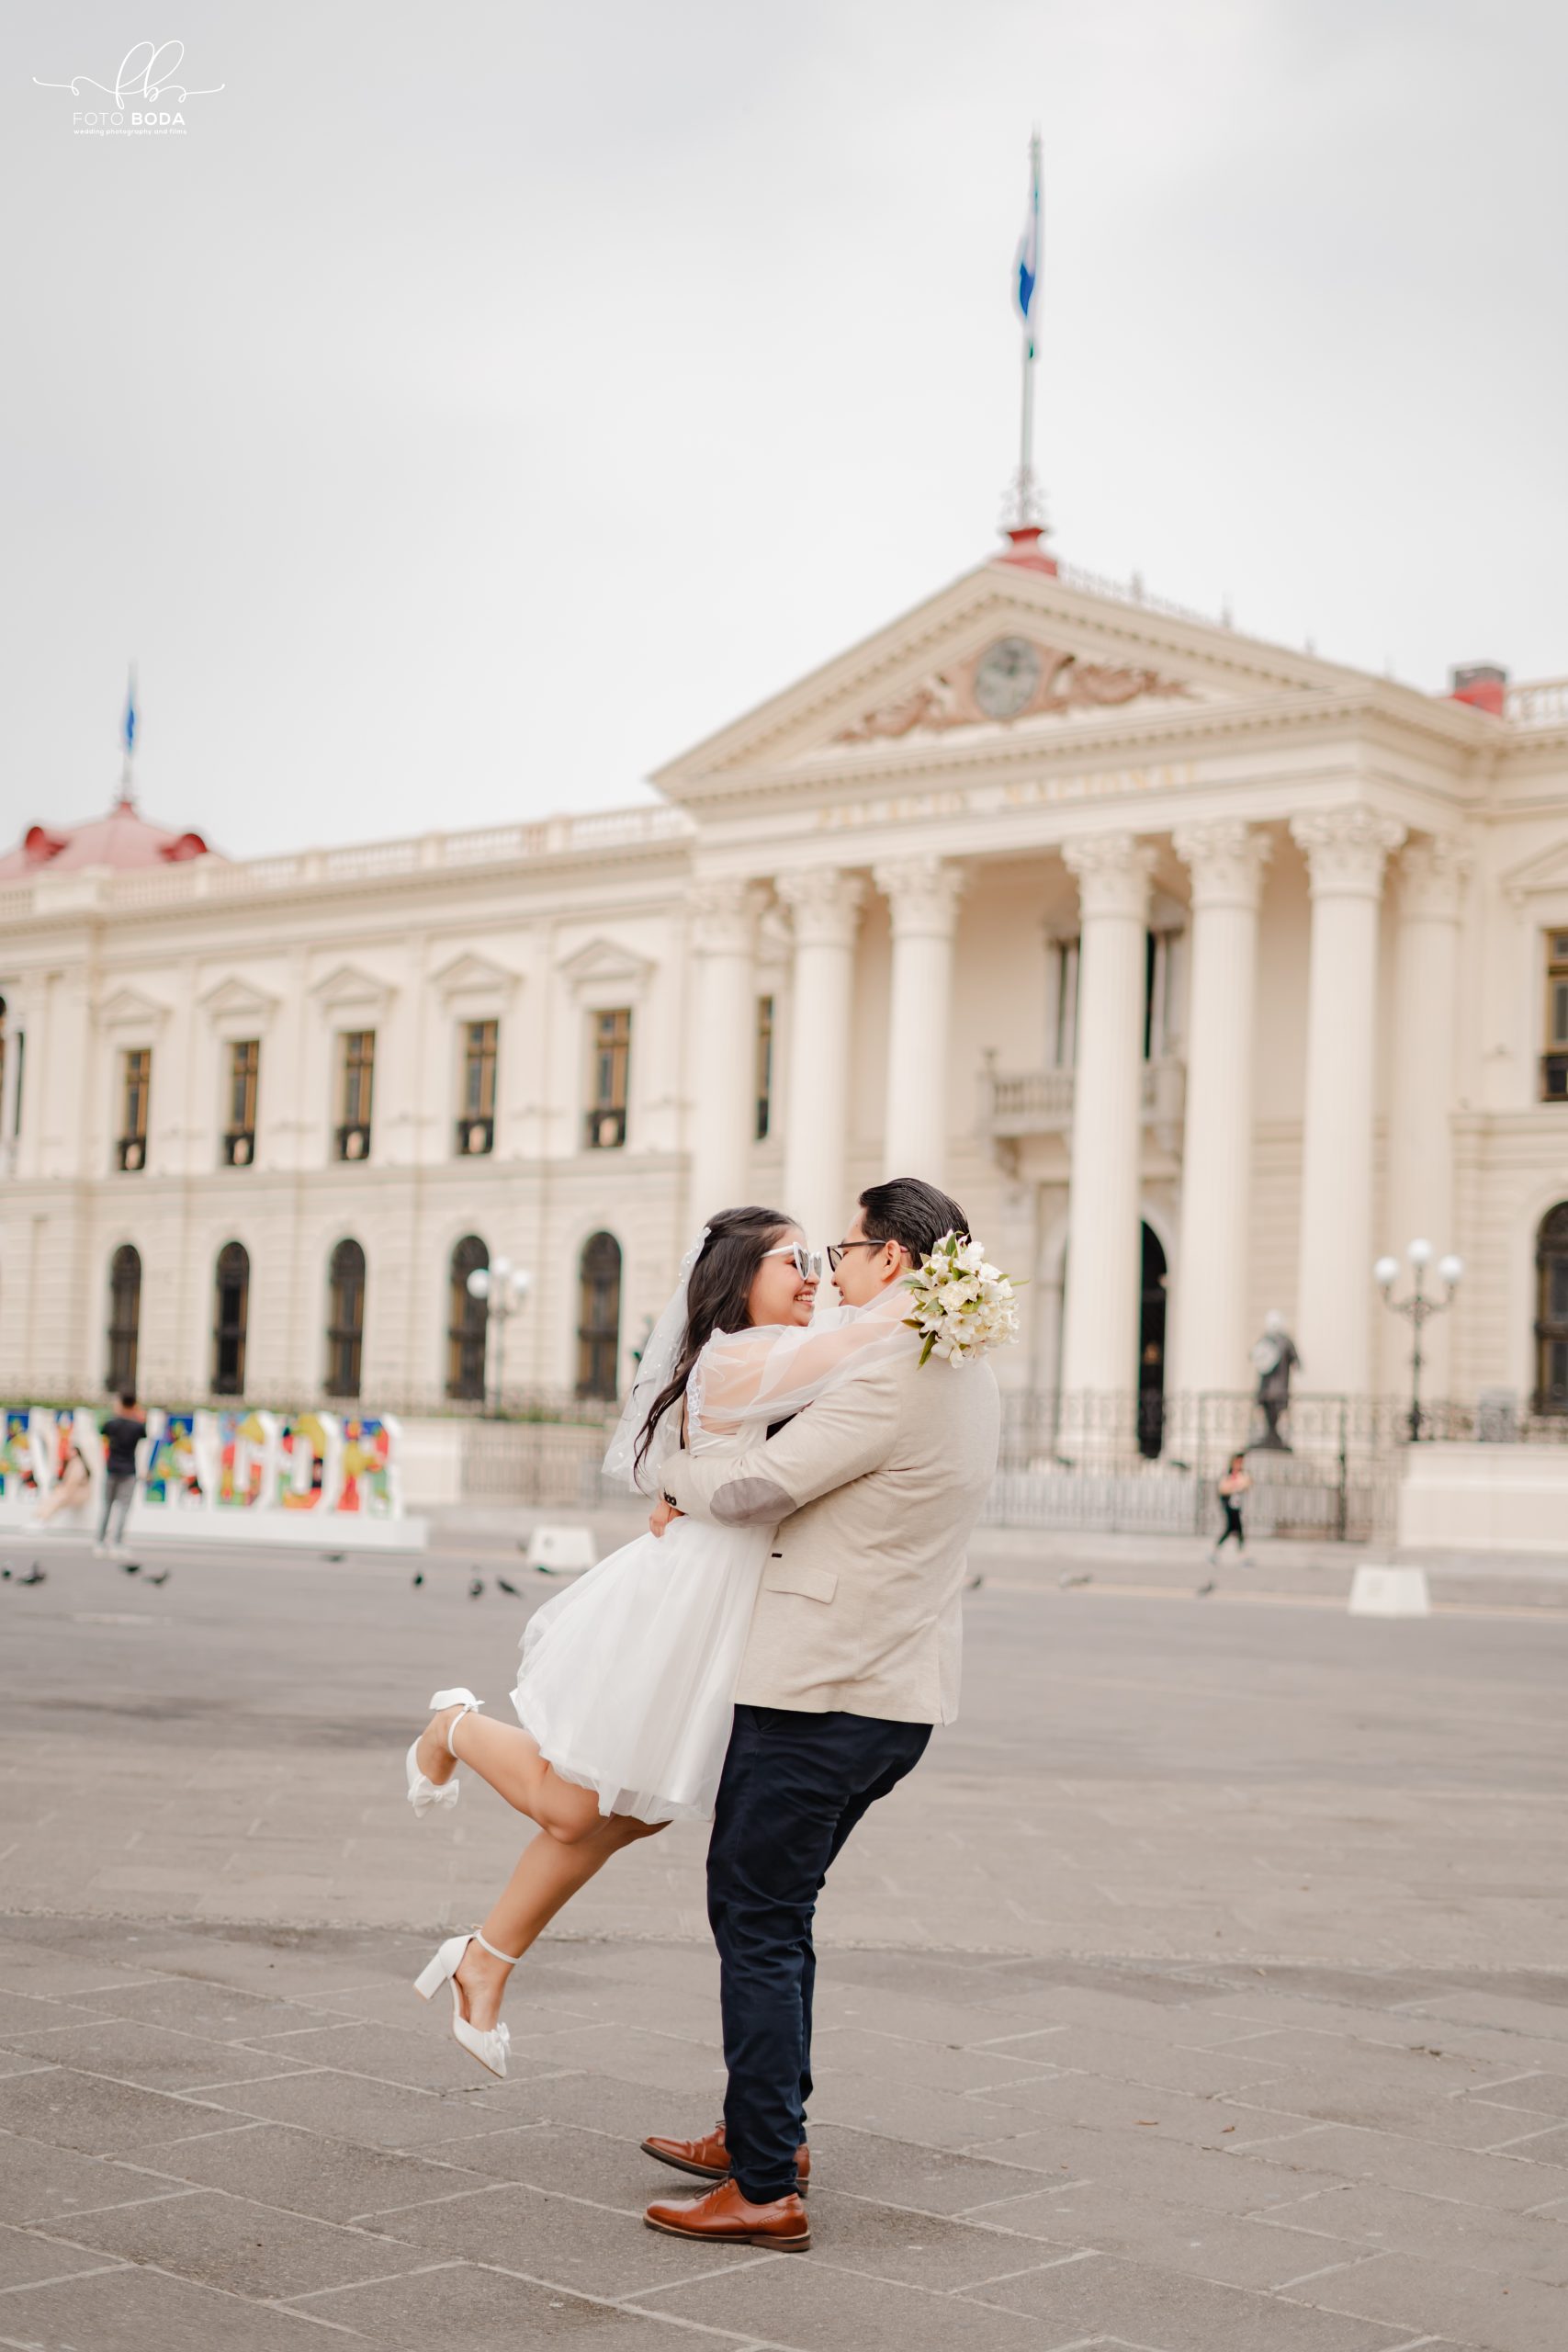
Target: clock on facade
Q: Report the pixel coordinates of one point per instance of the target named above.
(1007, 677)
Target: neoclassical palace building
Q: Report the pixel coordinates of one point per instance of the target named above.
(1201, 971)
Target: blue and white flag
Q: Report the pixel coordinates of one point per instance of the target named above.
(1026, 263)
(130, 715)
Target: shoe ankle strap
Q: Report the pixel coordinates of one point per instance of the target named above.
(483, 1941)
(469, 1707)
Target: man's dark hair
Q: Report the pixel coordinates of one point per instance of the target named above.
(127, 1398)
(908, 1210)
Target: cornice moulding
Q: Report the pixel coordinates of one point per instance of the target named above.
(1087, 745)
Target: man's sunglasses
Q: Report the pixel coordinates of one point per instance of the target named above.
(808, 1263)
(836, 1251)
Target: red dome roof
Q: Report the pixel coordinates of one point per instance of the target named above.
(122, 840)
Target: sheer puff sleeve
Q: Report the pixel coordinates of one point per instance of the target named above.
(745, 1381)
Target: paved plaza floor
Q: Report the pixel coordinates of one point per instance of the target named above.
(1204, 1991)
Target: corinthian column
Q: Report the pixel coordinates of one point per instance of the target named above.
(1099, 1348)
(1432, 875)
(826, 909)
(1225, 859)
(1346, 851)
(923, 895)
(722, 1043)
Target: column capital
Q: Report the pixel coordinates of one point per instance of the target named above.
(724, 916)
(1113, 872)
(824, 903)
(1225, 857)
(923, 893)
(1432, 875)
(1346, 849)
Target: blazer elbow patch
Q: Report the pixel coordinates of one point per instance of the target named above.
(812, 1584)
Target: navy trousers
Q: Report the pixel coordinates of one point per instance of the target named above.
(794, 1787)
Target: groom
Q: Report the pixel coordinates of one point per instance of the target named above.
(852, 1656)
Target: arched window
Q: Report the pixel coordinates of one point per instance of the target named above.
(1552, 1312)
(231, 1313)
(465, 1322)
(599, 1317)
(345, 1320)
(125, 1319)
(1151, 1348)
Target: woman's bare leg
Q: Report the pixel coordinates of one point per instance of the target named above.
(506, 1756)
(549, 1873)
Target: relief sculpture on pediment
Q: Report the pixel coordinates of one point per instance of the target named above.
(1013, 679)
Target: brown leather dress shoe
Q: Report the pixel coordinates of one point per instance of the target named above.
(708, 2158)
(726, 2218)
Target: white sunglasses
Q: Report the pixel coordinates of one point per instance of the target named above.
(808, 1263)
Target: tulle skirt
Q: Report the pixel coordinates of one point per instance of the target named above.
(628, 1679)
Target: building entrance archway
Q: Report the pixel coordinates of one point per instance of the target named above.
(1151, 1346)
(1552, 1312)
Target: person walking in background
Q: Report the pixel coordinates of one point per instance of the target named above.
(1232, 1485)
(123, 1432)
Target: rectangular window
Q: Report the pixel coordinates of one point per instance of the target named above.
(764, 1067)
(1064, 1012)
(135, 1089)
(476, 1114)
(355, 1088)
(1555, 1058)
(244, 1082)
(1160, 964)
(608, 1081)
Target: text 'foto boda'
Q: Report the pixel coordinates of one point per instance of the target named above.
(148, 70)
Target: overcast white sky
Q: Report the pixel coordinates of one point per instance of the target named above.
(478, 405)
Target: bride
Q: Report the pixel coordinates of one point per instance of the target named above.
(626, 1692)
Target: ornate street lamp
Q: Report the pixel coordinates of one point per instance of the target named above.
(503, 1287)
(1418, 1308)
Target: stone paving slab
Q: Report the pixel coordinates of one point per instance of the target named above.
(1204, 1990)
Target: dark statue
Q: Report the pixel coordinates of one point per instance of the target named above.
(1274, 1359)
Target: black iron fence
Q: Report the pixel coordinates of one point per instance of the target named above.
(1328, 1467)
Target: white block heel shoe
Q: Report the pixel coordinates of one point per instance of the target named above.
(490, 2047)
(424, 1793)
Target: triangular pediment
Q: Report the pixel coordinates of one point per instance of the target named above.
(347, 988)
(1004, 654)
(237, 1000)
(1544, 875)
(128, 1008)
(470, 975)
(603, 963)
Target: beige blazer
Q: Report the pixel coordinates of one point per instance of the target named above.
(876, 1487)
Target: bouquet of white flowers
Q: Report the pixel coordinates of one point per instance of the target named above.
(964, 1304)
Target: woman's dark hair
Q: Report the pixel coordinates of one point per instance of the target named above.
(911, 1211)
(717, 1299)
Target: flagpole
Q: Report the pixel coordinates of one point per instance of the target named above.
(1024, 515)
(1026, 437)
(127, 789)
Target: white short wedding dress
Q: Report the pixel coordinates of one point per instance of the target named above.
(627, 1678)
